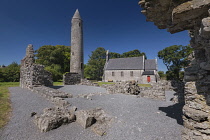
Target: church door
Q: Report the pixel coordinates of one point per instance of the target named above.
(148, 79)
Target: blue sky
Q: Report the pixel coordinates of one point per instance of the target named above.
(116, 25)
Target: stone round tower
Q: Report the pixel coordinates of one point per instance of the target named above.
(77, 60)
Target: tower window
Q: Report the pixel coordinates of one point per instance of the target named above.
(79, 24)
(72, 53)
(82, 65)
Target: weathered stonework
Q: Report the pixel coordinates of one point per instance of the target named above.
(53, 118)
(55, 96)
(156, 91)
(192, 15)
(77, 54)
(88, 83)
(177, 87)
(96, 118)
(129, 87)
(71, 79)
(32, 74)
(77, 60)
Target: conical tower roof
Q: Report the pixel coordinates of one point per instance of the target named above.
(77, 15)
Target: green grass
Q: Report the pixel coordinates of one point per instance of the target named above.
(5, 106)
(57, 83)
(141, 85)
(144, 85)
(102, 83)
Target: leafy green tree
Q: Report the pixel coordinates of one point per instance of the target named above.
(95, 65)
(113, 55)
(133, 53)
(55, 58)
(1, 75)
(161, 74)
(11, 73)
(175, 59)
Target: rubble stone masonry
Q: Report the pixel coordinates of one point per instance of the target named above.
(194, 16)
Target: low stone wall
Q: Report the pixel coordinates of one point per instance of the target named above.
(130, 87)
(88, 83)
(53, 95)
(157, 91)
(71, 79)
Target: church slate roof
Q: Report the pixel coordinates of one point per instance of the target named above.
(148, 73)
(131, 63)
(150, 64)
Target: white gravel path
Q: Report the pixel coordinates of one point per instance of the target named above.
(135, 118)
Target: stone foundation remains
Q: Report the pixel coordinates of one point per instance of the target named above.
(71, 79)
(88, 83)
(192, 15)
(53, 118)
(156, 91)
(129, 87)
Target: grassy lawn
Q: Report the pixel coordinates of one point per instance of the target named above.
(5, 106)
(102, 83)
(57, 83)
(144, 85)
(141, 85)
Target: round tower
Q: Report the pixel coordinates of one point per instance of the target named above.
(77, 60)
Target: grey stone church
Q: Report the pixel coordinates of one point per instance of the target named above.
(134, 68)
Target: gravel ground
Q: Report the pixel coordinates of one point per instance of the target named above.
(134, 118)
(169, 95)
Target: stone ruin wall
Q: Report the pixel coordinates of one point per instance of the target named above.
(71, 78)
(32, 74)
(194, 16)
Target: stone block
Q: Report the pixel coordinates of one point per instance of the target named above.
(85, 118)
(53, 118)
(99, 128)
(194, 114)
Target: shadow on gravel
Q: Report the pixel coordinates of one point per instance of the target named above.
(174, 111)
(56, 87)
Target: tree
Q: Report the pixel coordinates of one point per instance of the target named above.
(133, 53)
(11, 73)
(113, 55)
(175, 59)
(55, 58)
(95, 65)
(161, 74)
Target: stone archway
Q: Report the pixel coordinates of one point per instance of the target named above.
(194, 16)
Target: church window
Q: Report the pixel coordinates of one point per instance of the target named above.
(122, 74)
(112, 73)
(131, 73)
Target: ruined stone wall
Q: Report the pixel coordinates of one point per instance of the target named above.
(192, 15)
(128, 87)
(156, 91)
(32, 74)
(71, 79)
